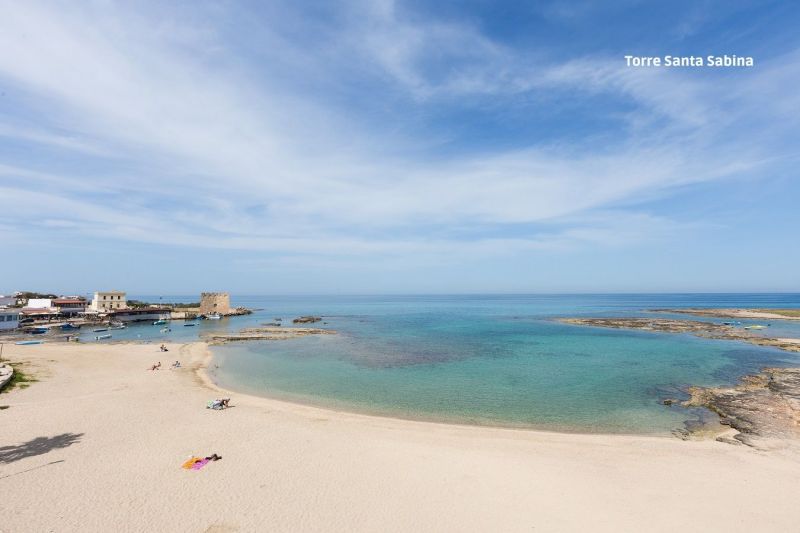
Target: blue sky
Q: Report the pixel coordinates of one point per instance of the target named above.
(391, 147)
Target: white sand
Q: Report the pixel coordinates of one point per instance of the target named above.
(287, 467)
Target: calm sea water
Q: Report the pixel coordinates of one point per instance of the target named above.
(496, 360)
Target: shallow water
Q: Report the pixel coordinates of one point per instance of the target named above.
(498, 360)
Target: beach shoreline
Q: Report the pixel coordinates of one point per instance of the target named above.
(96, 419)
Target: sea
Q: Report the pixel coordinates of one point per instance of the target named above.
(496, 360)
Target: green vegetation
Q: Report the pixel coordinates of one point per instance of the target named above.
(19, 379)
(785, 312)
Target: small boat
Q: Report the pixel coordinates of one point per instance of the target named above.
(755, 327)
(98, 330)
(69, 327)
(24, 343)
(214, 316)
(159, 322)
(39, 331)
(189, 324)
(102, 337)
(121, 326)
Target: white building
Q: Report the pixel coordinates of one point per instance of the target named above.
(105, 301)
(9, 319)
(39, 303)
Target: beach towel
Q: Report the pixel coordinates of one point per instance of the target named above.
(200, 464)
(191, 462)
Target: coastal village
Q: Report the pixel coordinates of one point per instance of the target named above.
(38, 314)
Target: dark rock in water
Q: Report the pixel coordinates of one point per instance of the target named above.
(306, 319)
(669, 401)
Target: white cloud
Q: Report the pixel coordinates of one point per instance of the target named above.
(243, 160)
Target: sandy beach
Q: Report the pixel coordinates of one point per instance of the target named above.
(98, 442)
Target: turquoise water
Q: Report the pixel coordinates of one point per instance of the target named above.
(496, 360)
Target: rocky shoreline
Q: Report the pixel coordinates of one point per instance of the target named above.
(270, 333)
(764, 314)
(701, 329)
(763, 410)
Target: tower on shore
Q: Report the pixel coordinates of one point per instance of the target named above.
(215, 302)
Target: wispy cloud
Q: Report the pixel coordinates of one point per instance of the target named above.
(187, 129)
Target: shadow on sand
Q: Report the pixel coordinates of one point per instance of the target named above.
(37, 446)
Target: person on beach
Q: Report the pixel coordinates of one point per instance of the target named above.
(218, 404)
(156, 367)
(176, 364)
(164, 348)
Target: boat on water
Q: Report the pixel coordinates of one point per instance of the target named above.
(189, 324)
(98, 330)
(757, 326)
(24, 343)
(69, 327)
(39, 331)
(121, 326)
(159, 322)
(102, 337)
(214, 316)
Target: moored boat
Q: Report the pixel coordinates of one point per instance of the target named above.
(102, 337)
(159, 322)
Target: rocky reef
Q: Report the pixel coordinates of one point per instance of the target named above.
(764, 408)
(694, 327)
(761, 313)
(271, 333)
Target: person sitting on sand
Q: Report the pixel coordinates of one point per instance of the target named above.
(176, 364)
(164, 348)
(156, 367)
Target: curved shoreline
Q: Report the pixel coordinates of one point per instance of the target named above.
(99, 420)
(201, 372)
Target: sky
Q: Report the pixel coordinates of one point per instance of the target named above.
(359, 147)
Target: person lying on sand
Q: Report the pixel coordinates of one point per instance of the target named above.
(219, 403)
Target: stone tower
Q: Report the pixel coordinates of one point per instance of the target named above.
(215, 302)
